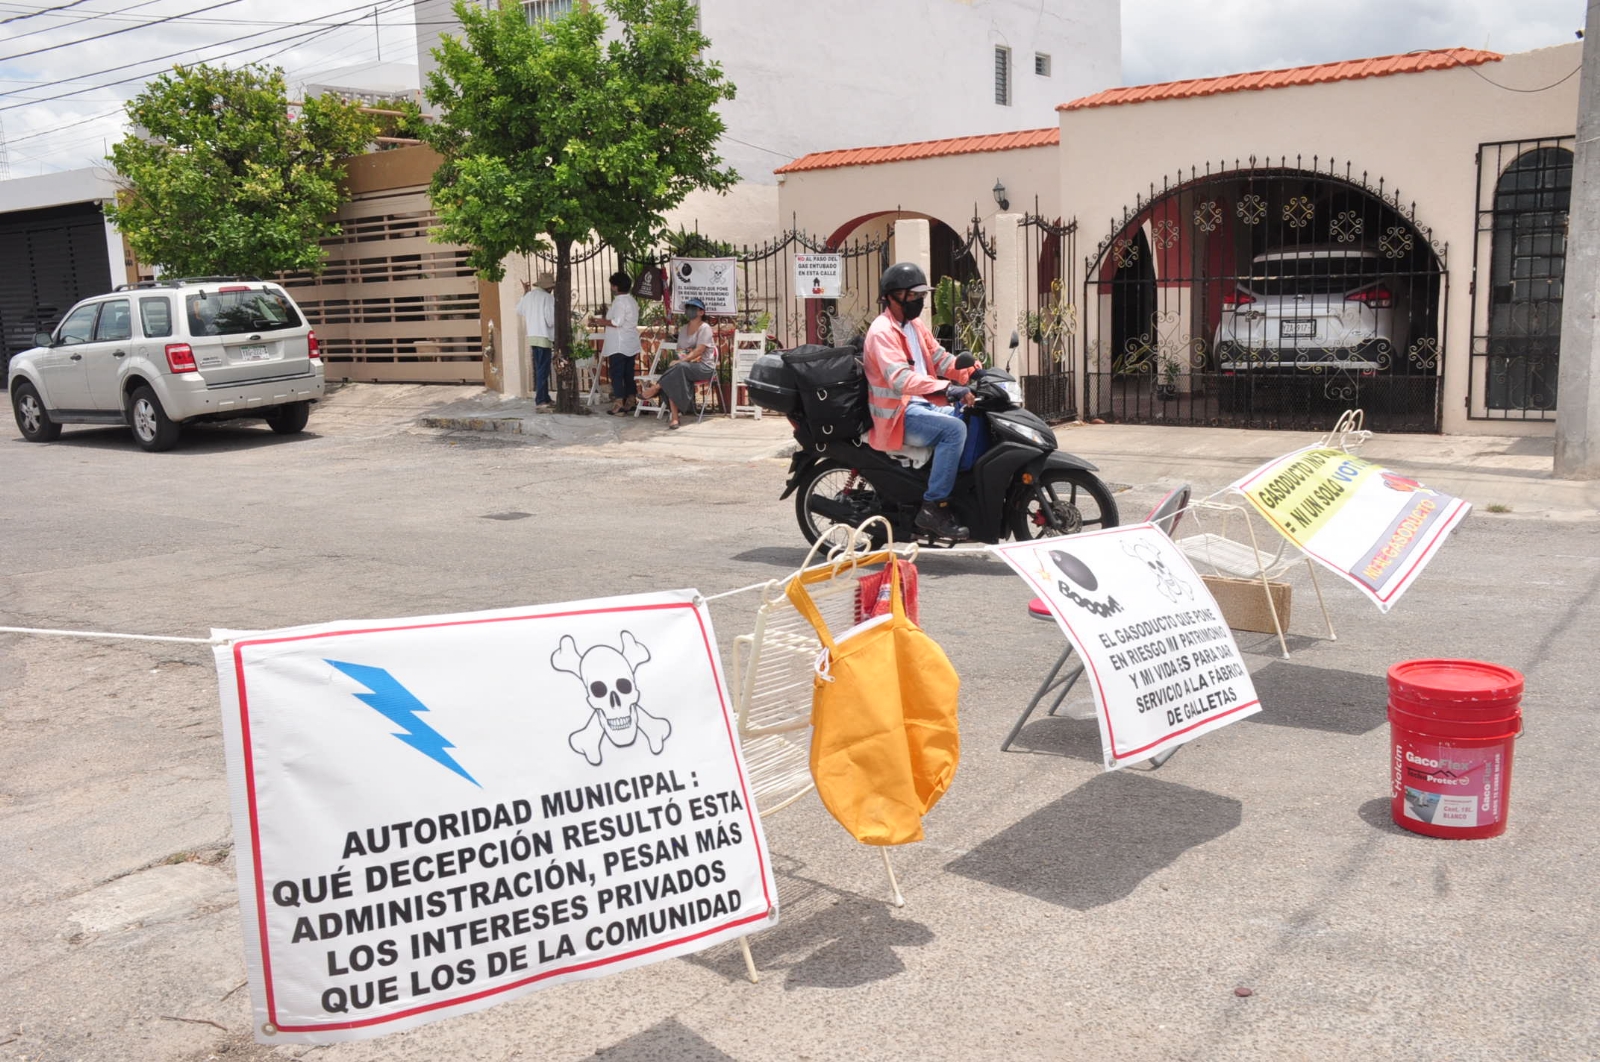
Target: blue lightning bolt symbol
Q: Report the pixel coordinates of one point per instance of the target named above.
(398, 705)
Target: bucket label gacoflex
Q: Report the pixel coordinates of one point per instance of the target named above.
(1445, 786)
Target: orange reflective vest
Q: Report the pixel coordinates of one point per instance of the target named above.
(893, 380)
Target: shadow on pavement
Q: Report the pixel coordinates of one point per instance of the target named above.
(670, 1039)
(1097, 843)
(200, 439)
(1317, 698)
(1378, 813)
(1060, 735)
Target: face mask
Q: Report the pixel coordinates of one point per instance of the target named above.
(911, 308)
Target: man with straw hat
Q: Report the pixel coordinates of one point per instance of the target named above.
(537, 307)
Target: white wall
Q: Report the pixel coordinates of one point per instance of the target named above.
(847, 73)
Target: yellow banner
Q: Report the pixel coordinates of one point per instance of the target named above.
(1302, 495)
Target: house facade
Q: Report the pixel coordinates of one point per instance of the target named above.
(1263, 250)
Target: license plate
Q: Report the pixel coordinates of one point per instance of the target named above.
(254, 353)
(1297, 328)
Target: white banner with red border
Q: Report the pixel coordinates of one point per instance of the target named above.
(1372, 527)
(441, 813)
(1159, 659)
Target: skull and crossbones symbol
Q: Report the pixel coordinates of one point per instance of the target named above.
(1168, 584)
(611, 687)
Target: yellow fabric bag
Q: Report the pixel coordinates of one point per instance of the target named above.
(884, 744)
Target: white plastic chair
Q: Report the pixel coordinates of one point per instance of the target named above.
(774, 668)
(658, 365)
(747, 347)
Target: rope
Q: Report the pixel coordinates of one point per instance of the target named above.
(116, 637)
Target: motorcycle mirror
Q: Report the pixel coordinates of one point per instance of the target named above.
(965, 360)
(1016, 340)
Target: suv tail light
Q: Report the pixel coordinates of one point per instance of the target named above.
(313, 348)
(1376, 297)
(180, 358)
(1237, 298)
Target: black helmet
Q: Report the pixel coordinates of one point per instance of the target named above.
(902, 276)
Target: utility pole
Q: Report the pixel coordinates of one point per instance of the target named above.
(377, 33)
(1578, 394)
(5, 155)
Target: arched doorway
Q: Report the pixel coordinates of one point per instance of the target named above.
(1527, 267)
(1273, 297)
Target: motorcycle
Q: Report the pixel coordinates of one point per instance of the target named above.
(1019, 484)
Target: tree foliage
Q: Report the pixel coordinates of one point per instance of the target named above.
(553, 134)
(217, 178)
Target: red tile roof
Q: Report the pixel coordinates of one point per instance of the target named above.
(1380, 66)
(924, 149)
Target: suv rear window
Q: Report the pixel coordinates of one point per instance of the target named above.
(231, 313)
(1311, 276)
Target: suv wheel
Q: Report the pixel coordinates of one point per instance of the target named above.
(153, 429)
(289, 418)
(32, 420)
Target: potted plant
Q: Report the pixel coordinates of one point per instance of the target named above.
(1167, 382)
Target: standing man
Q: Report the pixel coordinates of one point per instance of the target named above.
(913, 389)
(537, 308)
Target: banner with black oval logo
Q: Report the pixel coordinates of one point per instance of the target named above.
(1158, 656)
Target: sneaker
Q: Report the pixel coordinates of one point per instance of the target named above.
(936, 520)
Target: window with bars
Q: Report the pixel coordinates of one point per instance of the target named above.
(546, 10)
(1002, 75)
(1041, 64)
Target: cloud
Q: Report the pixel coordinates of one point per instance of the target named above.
(43, 137)
(1168, 40)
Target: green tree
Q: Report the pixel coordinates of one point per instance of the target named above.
(552, 135)
(217, 178)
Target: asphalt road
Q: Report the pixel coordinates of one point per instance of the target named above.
(1055, 911)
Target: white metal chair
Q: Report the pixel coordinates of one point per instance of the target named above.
(773, 671)
(658, 366)
(747, 347)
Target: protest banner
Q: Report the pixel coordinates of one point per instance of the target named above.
(1375, 529)
(1162, 665)
(714, 281)
(438, 814)
(818, 276)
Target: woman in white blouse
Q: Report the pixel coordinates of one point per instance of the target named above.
(697, 361)
(622, 343)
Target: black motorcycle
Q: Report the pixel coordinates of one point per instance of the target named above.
(1019, 484)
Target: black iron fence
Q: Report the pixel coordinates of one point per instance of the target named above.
(1518, 272)
(1268, 295)
(1048, 328)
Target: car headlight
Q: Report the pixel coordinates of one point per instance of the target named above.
(1025, 433)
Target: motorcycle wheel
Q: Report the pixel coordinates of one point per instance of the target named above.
(1079, 502)
(833, 482)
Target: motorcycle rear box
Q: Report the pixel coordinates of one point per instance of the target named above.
(772, 385)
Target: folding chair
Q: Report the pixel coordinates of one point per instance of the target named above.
(747, 347)
(655, 364)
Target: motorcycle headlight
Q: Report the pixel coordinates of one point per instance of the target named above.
(1025, 433)
(1013, 391)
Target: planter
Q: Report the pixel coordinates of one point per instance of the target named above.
(1166, 391)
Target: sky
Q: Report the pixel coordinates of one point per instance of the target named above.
(1162, 40)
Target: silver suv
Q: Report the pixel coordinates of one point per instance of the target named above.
(161, 354)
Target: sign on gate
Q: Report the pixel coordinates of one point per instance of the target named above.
(438, 814)
(819, 276)
(714, 281)
(1160, 660)
(1373, 528)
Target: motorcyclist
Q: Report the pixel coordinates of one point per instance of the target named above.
(913, 389)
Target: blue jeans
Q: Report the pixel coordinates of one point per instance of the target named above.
(541, 375)
(947, 434)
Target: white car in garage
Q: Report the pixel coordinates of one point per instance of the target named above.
(162, 354)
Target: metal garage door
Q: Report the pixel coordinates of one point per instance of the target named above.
(53, 257)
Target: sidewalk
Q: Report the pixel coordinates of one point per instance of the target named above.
(1484, 469)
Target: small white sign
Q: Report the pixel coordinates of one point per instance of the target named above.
(818, 276)
(714, 281)
(442, 813)
(1159, 658)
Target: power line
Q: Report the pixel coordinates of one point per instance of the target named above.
(59, 128)
(85, 18)
(42, 11)
(113, 33)
(186, 51)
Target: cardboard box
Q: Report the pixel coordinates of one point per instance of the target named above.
(1244, 602)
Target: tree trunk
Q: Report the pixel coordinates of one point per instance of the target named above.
(566, 371)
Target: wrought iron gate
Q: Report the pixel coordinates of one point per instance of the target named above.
(1049, 325)
(1268, 295)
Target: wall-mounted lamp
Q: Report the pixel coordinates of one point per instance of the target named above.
(1000, 195)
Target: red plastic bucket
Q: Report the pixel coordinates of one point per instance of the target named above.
(1452, 725)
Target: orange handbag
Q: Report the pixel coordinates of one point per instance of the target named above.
(884, 743)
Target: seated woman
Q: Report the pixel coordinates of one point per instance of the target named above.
(697, 361)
